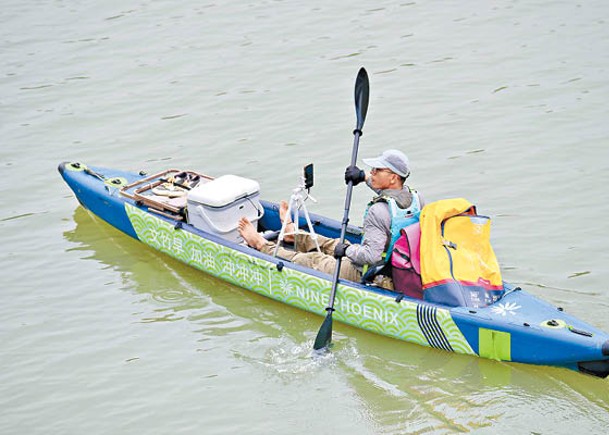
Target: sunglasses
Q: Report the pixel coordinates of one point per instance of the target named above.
(377, 170)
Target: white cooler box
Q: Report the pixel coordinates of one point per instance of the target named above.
(217, 206)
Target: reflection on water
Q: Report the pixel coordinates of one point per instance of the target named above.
(421, 391)
(402, 388)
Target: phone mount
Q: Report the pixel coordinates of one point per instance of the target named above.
(297, 202)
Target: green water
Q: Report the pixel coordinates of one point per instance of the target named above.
(503, 103)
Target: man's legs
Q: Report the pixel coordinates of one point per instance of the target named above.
(316, 260)
(304, 242)
(324, 261)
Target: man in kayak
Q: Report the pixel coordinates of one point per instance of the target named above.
(394, 206)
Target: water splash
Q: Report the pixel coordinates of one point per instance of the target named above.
(287, 357)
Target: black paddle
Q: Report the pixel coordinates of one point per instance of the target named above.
(362, 91)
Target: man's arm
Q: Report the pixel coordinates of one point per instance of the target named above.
(376, 232)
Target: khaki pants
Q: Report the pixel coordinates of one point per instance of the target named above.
(305, 254)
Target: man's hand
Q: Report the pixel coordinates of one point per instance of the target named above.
(355, 175)
(340, 249)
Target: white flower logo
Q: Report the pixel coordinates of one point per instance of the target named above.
(503, 309)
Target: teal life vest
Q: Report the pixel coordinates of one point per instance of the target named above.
(400, 217)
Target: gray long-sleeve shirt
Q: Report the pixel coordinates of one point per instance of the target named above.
(377, 227)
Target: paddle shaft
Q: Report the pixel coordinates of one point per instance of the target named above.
(343, 231)
(324, 336)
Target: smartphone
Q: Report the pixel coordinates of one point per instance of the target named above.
(308, 175)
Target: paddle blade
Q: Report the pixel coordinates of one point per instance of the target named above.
(324, 336)
(362, 92)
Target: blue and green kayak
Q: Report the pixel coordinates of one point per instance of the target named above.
(159, 210)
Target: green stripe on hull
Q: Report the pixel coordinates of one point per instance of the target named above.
(495, 344)
(356, 307)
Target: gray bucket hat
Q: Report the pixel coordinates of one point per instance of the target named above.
(391, 159)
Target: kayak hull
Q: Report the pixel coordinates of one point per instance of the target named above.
(518, 328)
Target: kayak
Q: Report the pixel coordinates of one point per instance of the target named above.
(193, 217)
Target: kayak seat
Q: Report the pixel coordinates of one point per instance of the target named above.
(379, 275)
